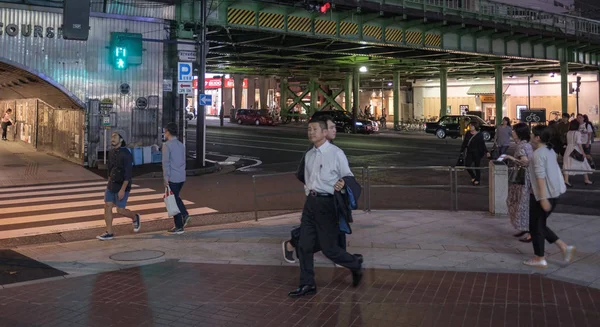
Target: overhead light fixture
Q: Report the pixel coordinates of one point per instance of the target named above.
(459, 79)
(429, 80)
(362, 69)
(511, 76)
(536, 82)
(476, 77)
(390, 84)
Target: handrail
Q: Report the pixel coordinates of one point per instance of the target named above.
(568, 24)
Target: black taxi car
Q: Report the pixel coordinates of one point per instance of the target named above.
(450, 126)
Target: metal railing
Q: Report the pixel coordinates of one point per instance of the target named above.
(495, 11)
(371, 182)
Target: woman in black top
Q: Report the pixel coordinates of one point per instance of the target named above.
(474, 144)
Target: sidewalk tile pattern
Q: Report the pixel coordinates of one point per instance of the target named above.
(185, 294)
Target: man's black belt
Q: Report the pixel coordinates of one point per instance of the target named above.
(320, 195)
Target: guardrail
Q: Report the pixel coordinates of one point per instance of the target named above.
(568, 24)
(370, 182)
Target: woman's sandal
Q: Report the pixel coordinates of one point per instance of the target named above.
(520, 234)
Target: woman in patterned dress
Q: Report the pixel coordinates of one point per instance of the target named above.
(518, 195)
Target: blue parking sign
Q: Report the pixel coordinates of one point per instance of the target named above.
(205, 99)
(185, 73)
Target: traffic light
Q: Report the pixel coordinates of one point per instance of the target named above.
(325, 7)
(120, 58)
(125, 50)
(319, 7)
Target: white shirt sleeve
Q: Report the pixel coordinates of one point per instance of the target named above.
(578, 138)
(342, 164)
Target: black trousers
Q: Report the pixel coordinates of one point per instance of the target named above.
(319, 227)
(537, 225)
(473, 161)
(4, 129)
(295, 240)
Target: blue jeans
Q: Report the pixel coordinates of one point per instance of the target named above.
(176, 188)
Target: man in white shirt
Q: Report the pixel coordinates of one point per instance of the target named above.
(325, 166)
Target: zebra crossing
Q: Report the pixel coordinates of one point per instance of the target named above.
(48, 209)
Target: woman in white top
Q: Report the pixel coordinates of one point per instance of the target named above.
(574, 144)
(547, 184)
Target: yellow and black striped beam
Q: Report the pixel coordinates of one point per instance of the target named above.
(270, 20)
(241, 17)
(321, 26)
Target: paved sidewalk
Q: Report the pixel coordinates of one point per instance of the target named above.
(23, 165)
(446, 268)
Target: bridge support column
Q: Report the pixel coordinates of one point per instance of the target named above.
(348, 92)
(443, 91)
(251, 92)
(564, 83)
(283, 90)
(396, 95)
(356, 93)
(238, 85)
(263, 84)
(314, 96)
(499, 93)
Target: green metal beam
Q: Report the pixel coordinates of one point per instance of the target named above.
(330, 100)
(396, 95)
(443, 91)
(499, 93)
(564, 82)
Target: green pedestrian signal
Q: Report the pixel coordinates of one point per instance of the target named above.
(126, 50)
(120, 56)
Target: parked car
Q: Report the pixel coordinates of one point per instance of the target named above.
(343, 122)
(450, 126)
(255, 117)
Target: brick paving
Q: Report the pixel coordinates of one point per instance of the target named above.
(188, 294)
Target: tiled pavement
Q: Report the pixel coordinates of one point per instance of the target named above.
(185, 294)
(425, 268)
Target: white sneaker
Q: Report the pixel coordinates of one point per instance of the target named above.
(536, 263)
(569, 253)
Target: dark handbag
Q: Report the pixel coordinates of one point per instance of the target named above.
(461, 161)
(577, 156)
(494, 153)
(517, 175)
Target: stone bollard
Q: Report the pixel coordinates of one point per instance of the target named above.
(498, 188)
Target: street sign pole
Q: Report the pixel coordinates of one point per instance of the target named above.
(201, 64)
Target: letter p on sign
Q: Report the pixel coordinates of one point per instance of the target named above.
(185, 73)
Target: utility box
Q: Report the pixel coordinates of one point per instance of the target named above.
(498, 192)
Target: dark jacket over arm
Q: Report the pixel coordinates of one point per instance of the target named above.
(346, 201)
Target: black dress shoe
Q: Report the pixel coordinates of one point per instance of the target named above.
(357, 276)
(303, 290)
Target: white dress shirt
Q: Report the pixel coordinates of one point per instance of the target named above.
(323, 167)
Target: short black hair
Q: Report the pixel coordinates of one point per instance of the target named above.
(325, 118)
(522, 131)
(474, 124)
(9, 110)
(507, 121)
(544, 133)
(322, 123)
(574, 125)
(172, 128)
(123, 144)
(565, 115)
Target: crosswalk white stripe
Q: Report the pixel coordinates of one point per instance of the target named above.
(31, 194)
(81, 204)
(99, 195)
(78, 214)
(47, 187)
(92, 224)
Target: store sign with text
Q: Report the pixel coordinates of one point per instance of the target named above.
(215, 83)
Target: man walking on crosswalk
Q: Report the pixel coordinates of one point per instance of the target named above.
(120, 164)
(174, 162)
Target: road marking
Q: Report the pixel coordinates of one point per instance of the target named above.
(32, 194)
(92, 224)
(70, 197)
(47, 187)
(256, 147)
(78, 204)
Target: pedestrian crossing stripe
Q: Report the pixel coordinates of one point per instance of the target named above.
(69, 207)
(52, 229)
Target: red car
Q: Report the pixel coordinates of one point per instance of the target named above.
(255, 117)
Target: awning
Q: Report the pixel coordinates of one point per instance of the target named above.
(485, 89)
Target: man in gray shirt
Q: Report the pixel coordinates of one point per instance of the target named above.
(173, 161)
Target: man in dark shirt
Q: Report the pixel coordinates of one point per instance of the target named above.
(120, 163)
(562, 129)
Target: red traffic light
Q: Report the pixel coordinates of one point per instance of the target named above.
(324, 8)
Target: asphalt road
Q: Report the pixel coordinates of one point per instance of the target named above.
(402, 181)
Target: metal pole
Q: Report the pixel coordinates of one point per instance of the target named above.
(443, 91)
(201, 64)
(255, 200)
(499, 94)
(528, 93)
(368, 191)
(105, 145)
(451, 190)
(222, 112)
(564, 82)
(364, 185)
